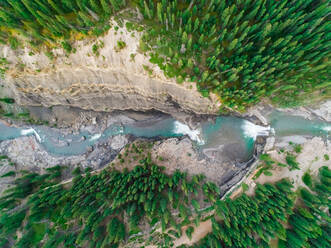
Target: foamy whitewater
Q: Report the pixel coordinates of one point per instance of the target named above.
(180, 128)
(95, 137)
(31, 131)
(327, 128)
(252, 131)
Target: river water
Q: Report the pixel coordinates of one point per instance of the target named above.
(225, 130)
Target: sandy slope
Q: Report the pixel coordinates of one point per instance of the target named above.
(115, 79)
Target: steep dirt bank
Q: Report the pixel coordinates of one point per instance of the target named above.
(113, 79)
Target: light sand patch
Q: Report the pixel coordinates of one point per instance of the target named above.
(199, 232)
(310, 159)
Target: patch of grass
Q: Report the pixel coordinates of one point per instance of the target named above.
(326, 157)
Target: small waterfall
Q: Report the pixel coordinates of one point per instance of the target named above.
(182, 129)
(29, 131)
(252, 131)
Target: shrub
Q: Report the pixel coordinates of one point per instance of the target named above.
(189, 232)
(66, 46)
(9, 174)
(120, 45)
(291, 162)
(95, 49)
(7, 100)
(13, 42)
(50, 55)
(245, 187)
(306, 178)
(297, 148)
(77, 171)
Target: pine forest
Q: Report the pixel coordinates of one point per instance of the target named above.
(240, 50)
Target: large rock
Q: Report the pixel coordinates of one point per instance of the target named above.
(323, 111)
(180, 154)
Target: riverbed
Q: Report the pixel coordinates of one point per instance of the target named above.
(209, 134)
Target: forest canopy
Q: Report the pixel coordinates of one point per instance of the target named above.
(115, 208)
(106, 209)
(241, 50)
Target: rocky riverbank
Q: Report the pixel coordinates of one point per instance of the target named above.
(223, 165)
(260, 112)
(219, 164)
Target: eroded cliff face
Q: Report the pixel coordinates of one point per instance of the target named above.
(116, 79)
